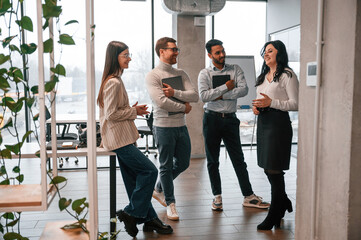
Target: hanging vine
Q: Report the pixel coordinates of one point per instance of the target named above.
(17, 96)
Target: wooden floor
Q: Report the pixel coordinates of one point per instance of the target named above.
(193, 201)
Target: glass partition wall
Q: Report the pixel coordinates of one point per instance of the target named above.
(291, 38)
(240, 25)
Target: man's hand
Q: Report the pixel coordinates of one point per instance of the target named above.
(219, 98)
(141, 109)
(168, 90)
(230, 84)
(188, 108)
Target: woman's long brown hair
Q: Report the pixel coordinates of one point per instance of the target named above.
(111, 67)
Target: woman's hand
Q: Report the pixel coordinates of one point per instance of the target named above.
(262, 102)
(255, 111)
(141, 109)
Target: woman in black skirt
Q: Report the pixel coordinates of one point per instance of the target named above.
(277, 93)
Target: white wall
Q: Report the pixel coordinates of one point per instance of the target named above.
(282, 14)
(339, 196)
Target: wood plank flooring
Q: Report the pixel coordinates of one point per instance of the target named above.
(193, 196)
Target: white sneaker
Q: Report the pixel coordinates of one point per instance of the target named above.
(172, 213)
(159, 196)
(217, 203)
(255, 201)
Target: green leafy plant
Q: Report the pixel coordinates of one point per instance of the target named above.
(17, 95)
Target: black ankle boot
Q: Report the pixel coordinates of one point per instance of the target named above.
(157, 225)
(270, 221)
(287, 205)
(130, 222)
(273, 217)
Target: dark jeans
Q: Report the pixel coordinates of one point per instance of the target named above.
(174, 146)
(216, 129)
(139, 176)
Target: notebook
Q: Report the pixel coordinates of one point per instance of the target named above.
(219, 80)
(64, 144)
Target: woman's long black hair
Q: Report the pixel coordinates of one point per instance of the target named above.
(281, 59)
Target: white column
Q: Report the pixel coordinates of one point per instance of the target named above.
(91, 131)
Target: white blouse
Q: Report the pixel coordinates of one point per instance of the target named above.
(284, 93)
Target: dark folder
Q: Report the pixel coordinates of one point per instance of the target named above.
(175, 83)
(219, 80)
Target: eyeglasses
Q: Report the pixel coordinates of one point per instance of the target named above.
(127, 55)
(174, 49)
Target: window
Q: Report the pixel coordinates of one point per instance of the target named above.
(291, 38)
(241, 26)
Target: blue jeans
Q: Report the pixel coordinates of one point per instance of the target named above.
(216, 129)
(139, 176)
(174, 146)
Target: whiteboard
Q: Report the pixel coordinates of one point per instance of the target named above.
(247, 65)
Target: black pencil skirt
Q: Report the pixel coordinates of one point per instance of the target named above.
(274, 139)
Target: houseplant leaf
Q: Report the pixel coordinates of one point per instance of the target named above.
(71, 22)
(58, 179)
(28, 48)
(59, 69)
(63, 203)
(5, 5)
(48, 45)
(4, 58)
(66, 39)
(25, 23)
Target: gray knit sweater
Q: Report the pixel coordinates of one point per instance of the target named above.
(162, 105)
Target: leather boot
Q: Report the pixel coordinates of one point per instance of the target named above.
(157, 225)
(279, 203)
(279, 185)
(130, 222)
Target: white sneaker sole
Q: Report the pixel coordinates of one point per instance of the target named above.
(255, 206)
(173, 218)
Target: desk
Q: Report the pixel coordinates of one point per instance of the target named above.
(70, 119)
(66, 120)
(28, 151)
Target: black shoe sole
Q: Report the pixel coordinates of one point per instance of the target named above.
(217, 209)
(160, 231)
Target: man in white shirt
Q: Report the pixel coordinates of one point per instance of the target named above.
(221, 123)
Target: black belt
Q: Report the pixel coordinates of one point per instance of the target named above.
(268, 109)
(222, 115)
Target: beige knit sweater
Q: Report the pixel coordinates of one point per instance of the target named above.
(162, 105)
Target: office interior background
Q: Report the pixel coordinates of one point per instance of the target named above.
(328, 192)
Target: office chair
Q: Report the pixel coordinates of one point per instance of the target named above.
(147, 131)
(61, 135)
(64, 135)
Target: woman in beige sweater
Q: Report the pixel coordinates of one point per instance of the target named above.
(119, 135)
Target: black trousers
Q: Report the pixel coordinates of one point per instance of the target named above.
(215, 129)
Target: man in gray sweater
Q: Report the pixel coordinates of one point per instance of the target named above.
(170, 104)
